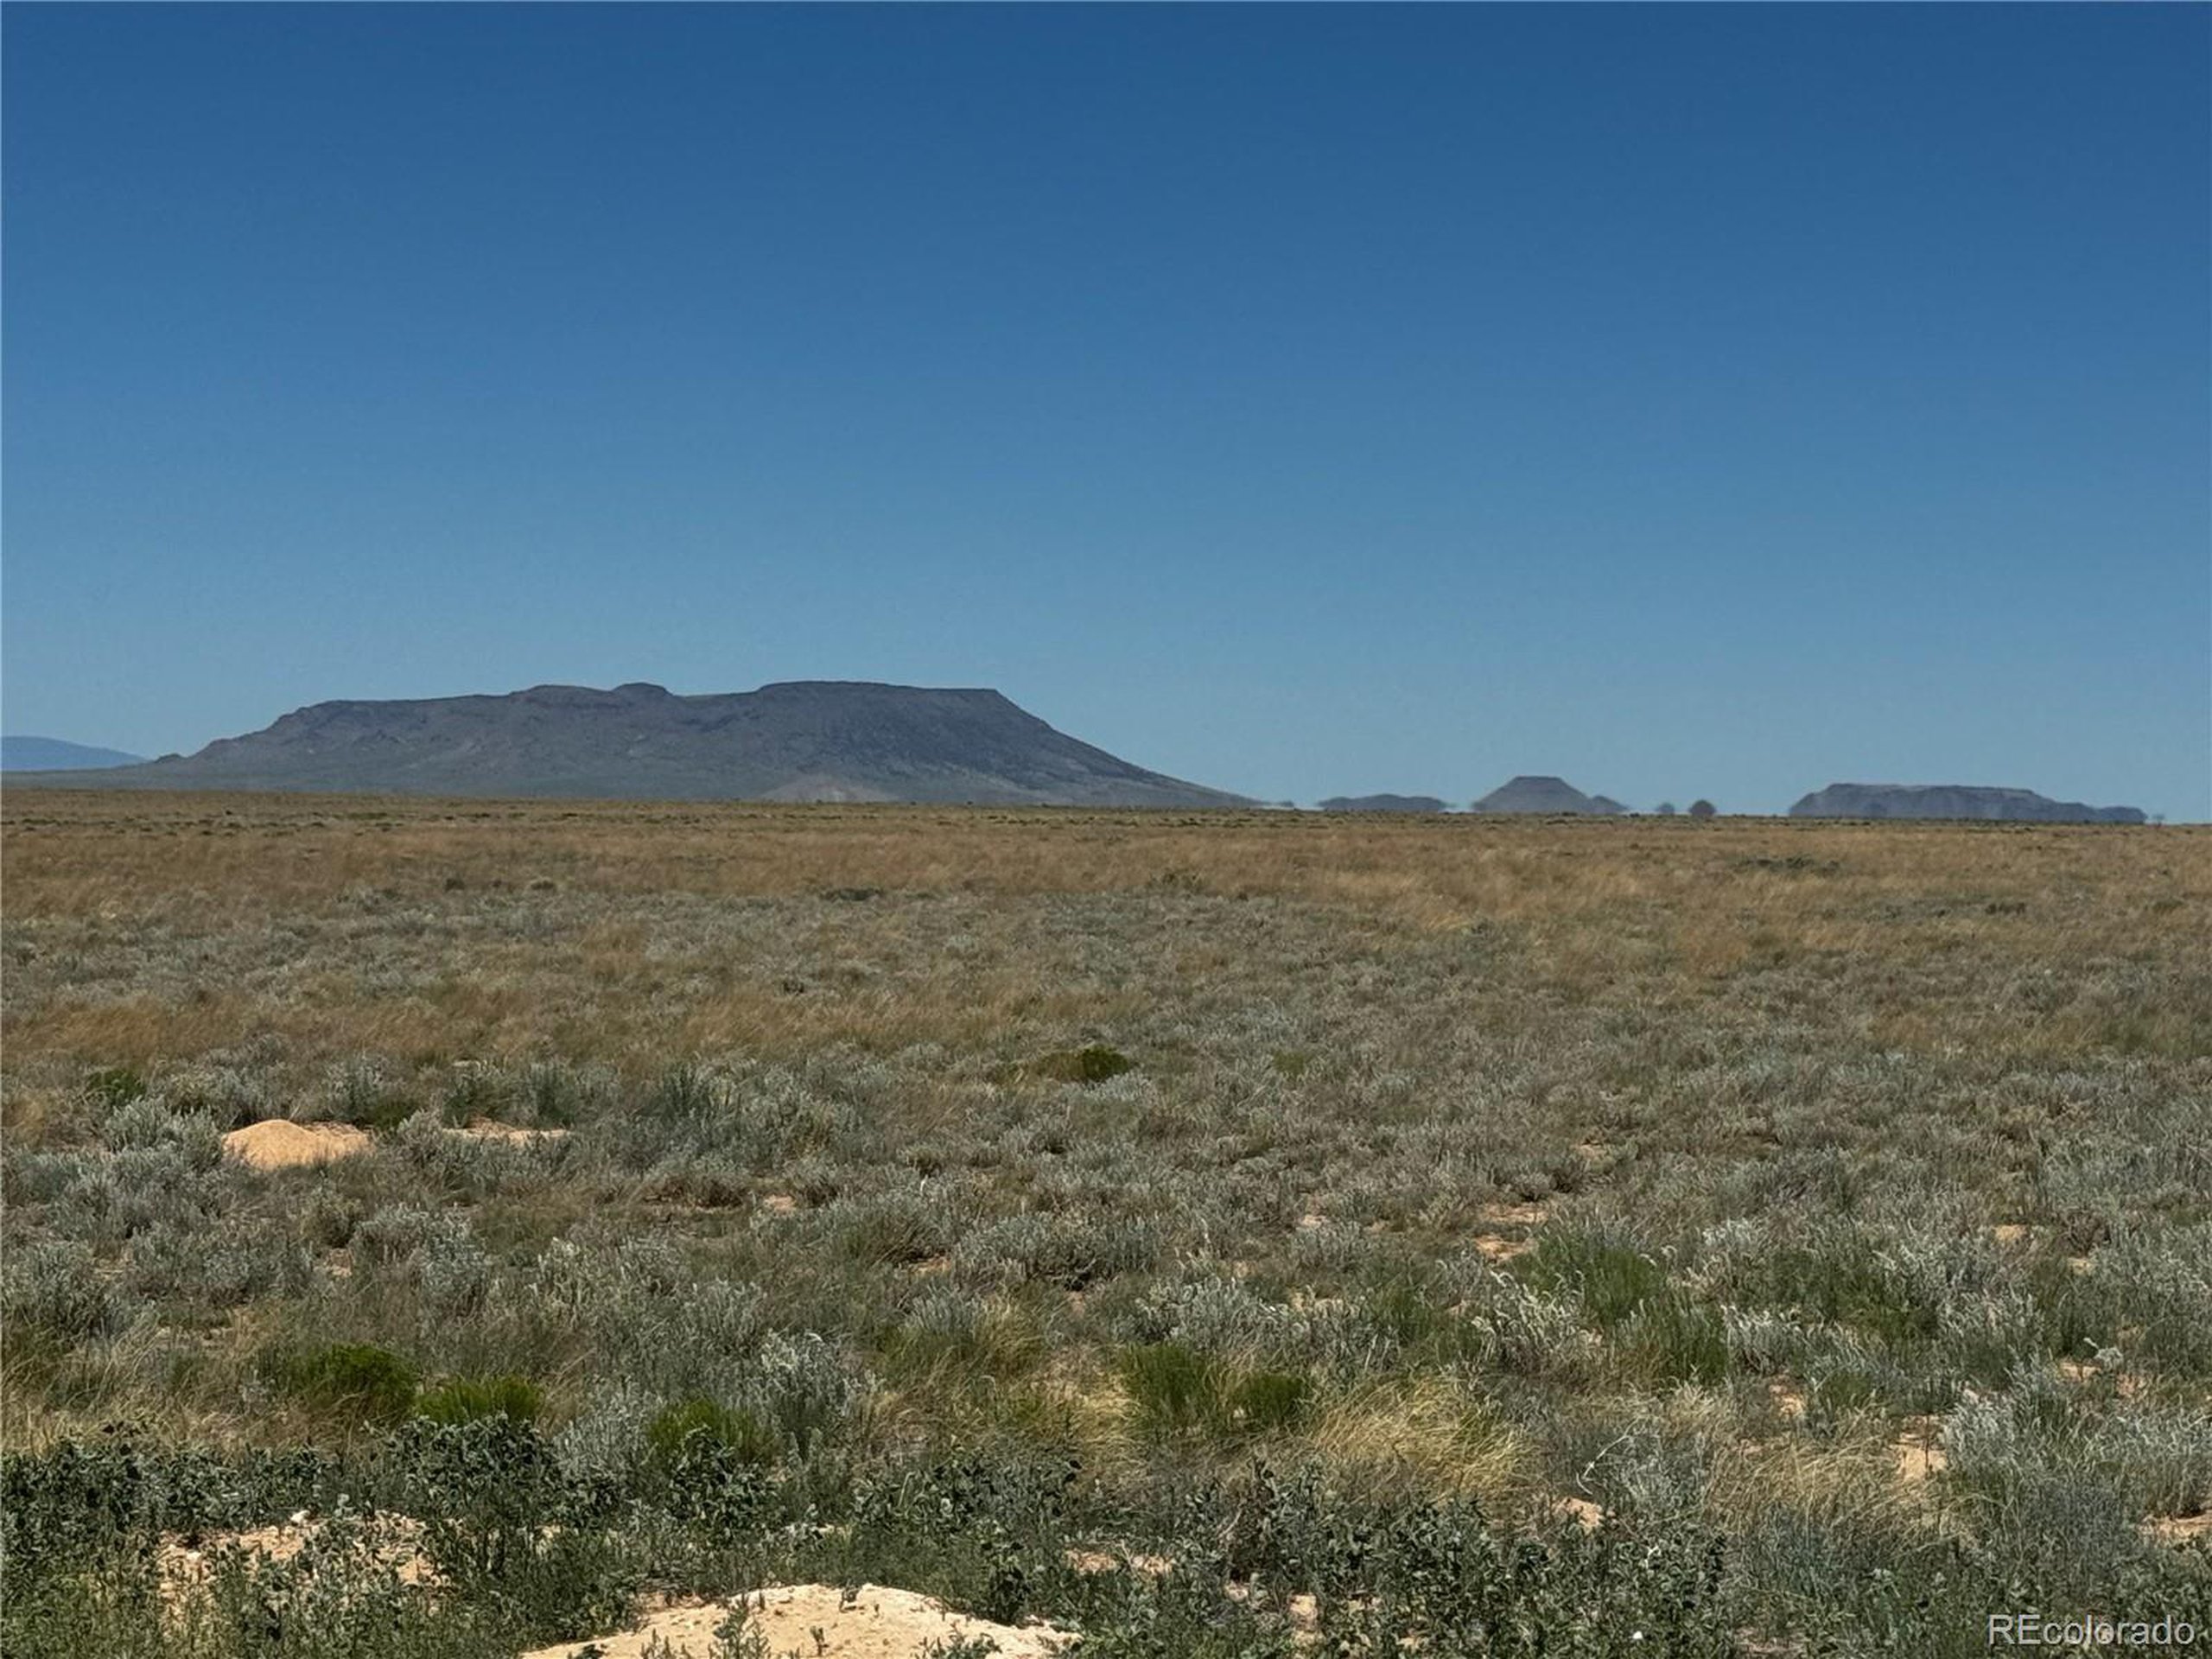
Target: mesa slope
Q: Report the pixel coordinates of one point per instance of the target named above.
(803, 740)
(1954, 801)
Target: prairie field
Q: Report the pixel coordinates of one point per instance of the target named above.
(467, 1229)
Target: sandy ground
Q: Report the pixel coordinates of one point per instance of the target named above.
(1098, 1560)
(279, 1143)
(2178, 1530)
(1586, 1515)
(396, 1539)
(881, 1623)
(484, 1129)
(1789, 1399)
(1918, 1455)
(1497, 1246)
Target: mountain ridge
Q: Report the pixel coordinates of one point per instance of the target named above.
(24, 752)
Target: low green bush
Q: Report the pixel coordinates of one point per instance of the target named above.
(1673, 1338)
(469, 1399)
(1269, 1401)
(1611, 1277)
(693, 1423)
(1174, 1391)
(1094, 1063)
(115, 1086)
(351, 1378)
(361, 1095)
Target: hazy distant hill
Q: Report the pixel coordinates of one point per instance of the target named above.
(807, 740)
(1953, 801)
(1544, 794)
(52, 754)
(1383, 804)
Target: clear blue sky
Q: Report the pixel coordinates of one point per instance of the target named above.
(1687, 400)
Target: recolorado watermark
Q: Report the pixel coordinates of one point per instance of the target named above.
(2031, 1629)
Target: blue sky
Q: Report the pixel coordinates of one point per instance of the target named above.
(1688, 401)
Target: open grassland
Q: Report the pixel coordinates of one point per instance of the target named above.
(1215, 1235)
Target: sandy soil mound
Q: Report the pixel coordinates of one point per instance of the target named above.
(881, 1623)
(278, 1143)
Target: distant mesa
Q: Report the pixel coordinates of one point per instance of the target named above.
(1954, 801)
(1383, 804)
(52, 754)
(1544, 796)
(804, 740)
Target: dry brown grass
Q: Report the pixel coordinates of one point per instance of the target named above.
(1689, 906)
(1428, 1436)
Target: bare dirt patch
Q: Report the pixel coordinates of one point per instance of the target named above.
(1503, 1246)
(1099, 1561)
(1916, 1452)
(395, 1539)
(1516, 1215)
(484, 1129)
(279, 1143)
(2177, 1530)
(1303, 1612)
(816, 1619)
(1580, 1510)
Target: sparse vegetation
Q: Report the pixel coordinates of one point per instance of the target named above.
(1239, 1234)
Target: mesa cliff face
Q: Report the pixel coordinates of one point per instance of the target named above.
(1953, 801)
(804, 740)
